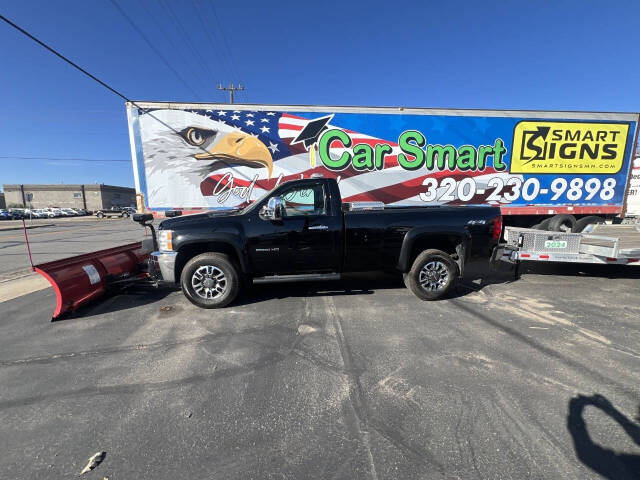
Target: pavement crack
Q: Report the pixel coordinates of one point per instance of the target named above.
(137, 388)
(356, 395)
(137, 347)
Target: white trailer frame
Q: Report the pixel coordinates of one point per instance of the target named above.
(606, 245)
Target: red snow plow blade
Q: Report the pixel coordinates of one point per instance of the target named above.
(79, 280)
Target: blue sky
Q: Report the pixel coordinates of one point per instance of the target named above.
(549, 54)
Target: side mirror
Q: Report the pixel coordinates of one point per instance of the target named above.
(272, 210)
(142, 217)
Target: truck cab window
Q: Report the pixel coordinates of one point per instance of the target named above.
(304, 201)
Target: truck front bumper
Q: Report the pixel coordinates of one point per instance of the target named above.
(162, 266)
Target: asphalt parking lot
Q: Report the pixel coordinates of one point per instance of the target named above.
(537, 378)
(57, 238)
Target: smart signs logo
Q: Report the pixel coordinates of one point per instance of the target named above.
(568, 147)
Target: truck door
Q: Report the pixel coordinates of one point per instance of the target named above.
(306, 240)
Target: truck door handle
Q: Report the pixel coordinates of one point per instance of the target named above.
(318, 227)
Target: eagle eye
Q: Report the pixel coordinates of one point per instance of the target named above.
(197, 136)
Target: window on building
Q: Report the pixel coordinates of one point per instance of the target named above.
(77, 195)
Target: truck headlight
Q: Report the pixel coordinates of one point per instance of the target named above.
(165, 240)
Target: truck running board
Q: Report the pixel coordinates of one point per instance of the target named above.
(310, 277)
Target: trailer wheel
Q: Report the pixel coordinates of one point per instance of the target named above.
(582, 223)
(100, 215)
(562, 223)
(210, 280)
(432, 275)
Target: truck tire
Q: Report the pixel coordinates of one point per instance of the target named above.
(432, 275)
(543, 225)
(210, 280)
(100, 215)
(582, 223)
(562, 223)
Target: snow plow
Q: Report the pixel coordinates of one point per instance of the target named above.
(79, 280)
(82, 279)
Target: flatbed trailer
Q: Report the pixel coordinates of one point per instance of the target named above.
(602, 244)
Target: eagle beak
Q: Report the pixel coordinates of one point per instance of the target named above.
(240, 148)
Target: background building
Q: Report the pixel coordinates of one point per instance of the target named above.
(2, 203)
(89, 197)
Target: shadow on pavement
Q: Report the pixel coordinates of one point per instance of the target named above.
(116, 301)
(477, 276)
(606, 462)
(581, 270)
(352, 284)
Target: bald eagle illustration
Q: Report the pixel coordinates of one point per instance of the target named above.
(182, 148)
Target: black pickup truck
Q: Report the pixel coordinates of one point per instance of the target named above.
(302, 231)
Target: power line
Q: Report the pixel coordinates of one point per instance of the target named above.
(96, 79)
(42, 44)
(212, 42)
(166, 34)
(234, 70)
(15, 157)
(191, 47)
(152, 47)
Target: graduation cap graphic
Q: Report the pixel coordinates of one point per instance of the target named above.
(311, 131)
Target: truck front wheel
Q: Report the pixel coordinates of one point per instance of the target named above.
(432, 275)
(210, 280)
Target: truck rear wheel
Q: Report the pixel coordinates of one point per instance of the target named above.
(432, 275)
(210, 280)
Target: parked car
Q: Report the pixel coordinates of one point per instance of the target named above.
(48, 212)
(79, 211)
(5, 215)
(33, 213)
(115, 212)
(70, 212)
(301, 231)
(18, 213)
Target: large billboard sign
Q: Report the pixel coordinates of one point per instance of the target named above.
(209, 156)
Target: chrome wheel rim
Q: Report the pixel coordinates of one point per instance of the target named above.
(434, 276)
(209, 282)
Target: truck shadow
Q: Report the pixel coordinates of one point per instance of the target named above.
(477, 276)
(605, 461)
(353, 284)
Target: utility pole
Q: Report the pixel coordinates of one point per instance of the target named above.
(231, 88)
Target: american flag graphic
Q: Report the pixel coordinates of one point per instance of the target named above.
(292, 159)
